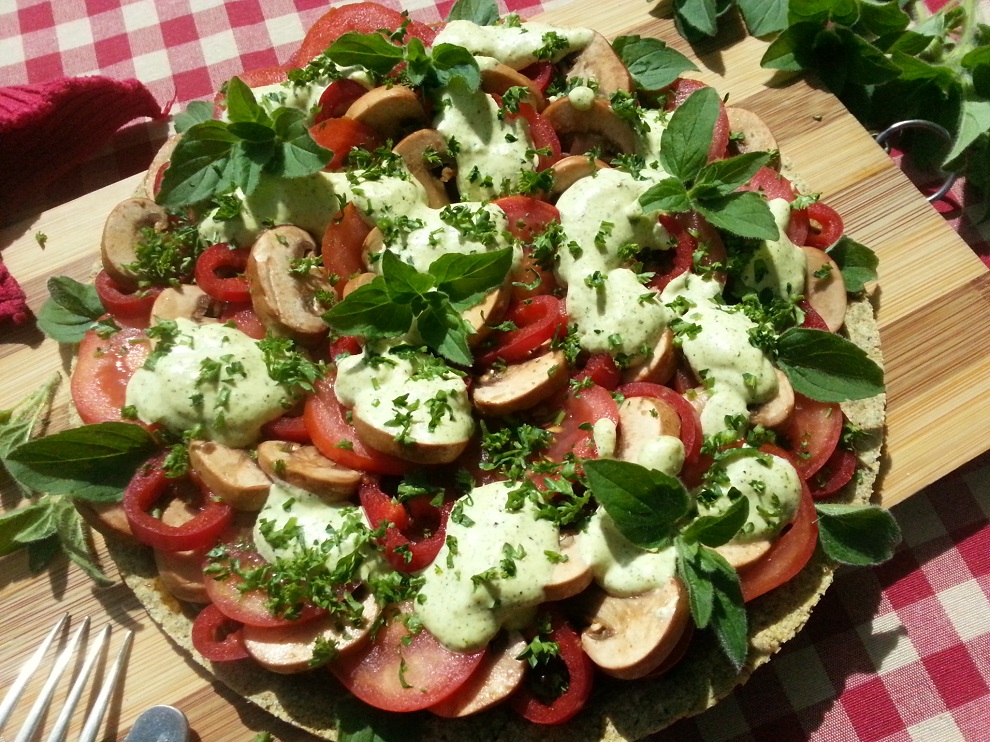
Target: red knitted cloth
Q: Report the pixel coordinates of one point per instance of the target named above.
(46, 130)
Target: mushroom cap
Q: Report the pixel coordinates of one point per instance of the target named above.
(520, 386)
(305, 467)
(232, 474)
(122, 233)
(599, 61)
(826, 295)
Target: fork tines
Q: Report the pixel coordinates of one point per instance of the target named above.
(62, 660)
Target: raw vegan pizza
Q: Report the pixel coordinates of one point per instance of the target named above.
(489, 375)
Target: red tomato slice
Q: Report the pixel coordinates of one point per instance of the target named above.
(360, 17)
(691, 435)
(338, 440)
(103, 368)
(601, 369)
(543, 135)
(245, 319)
(253, 79)
(774, 185)
(218, 638)
(811, 433)
(130, 308)
(220, 273)
(338, 97)
(683, 252)
(343, 246)
(827, 226)
(580, 676)
(416, 527)
(528, 217)
(537, 319)
(679, 91)
(812, 319)
(401, 671)
(582, 409)
(146, 490)
(287, 428)
(541, 73)
(835, 474)
(788, 554)
(342, 135)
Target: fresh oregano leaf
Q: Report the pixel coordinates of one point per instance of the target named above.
(71, 310)
(445, 331)
(685, 142)
(858, 535)
(72, 539)
(358, 722)
(745, 214)
(668, 195)
(715, 530)
(645, 504)
(827, 367)
(370, 312)
(764, 17)
(23, 520)
(652, 64)
(479, 12)
(725, 176)
(92, 462)
(452, 61)
(466, 279)
(370, 50)
(857, 262)
(196, 112)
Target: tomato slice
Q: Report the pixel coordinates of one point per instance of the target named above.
(811, 433)
(544, 137)
(540, 73)
(416, 528)
(217, 637)
(244, 318)
(529, 217)
(253, 79)
(835, 474)
(220, 273)
(691, 435)
(531, 702)
(601, 369)
(103, 368)
(343, 246)
(682, 253)
(679, 91)
(364, 17)
(147, 488)
(338, 440)
(774, 185)
(340, 136)
(537, 319)
(338, 97)
(287, 428)
(812, 319)
(788, 554)
(827, 226)
(130, 308)
(582, 409)
(402, 671)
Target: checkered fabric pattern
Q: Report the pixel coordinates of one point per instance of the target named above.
(898, 653)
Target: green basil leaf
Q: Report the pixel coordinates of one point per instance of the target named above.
(251, 131)
(444, 331)
(857, 262)
(466, 279)
(701, 592)
(859, 535)
(685, 142)
(791, 50)
(402, 281)
(370, 50)
(74, 543)
(197, 165)
(700, 15)
(71, 311)
(746, 214)
(451, 61)
(725, 176)
(242, 107)
(827, 367)
(42, 552)
(196, 112)
(479, 12)
(357, 722)
(645, 504)
(243, 167)
(764, 17)
(652, 64)
(975, 122)
(715, 530)
(881, 18)
(24, 520)
(419, 63)
(370, 312)
(668, 195)
(297, 154)
(92, 462)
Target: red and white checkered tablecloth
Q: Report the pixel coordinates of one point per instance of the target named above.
(897, 653)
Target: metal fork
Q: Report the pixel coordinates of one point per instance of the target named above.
(95, 718)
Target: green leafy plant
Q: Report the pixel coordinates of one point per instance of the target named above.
(886, 61)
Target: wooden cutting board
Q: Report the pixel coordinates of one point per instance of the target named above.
(933, 308)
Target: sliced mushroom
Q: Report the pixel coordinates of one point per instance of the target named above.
(570, 577)
(627, 638)
(501, 77)
(122, 233)
(750, 133)
(291, 649)
(599, 125)
(391, 111)
(598, 61)
(741, 555)
(500, 673)
(356, 282)
(568, 170)
(641, 421)
(661, 364)
(414, 150)
(778, 408)
(487, 312)
(185, 301)
(283, 300)
(382, 438)
(106, 517)
(181, 572)
(373, 244)
(231, 474)
(306, 468)
(825, 294)
(162, 157)
(520, 386)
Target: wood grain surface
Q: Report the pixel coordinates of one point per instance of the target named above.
(933, 294)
